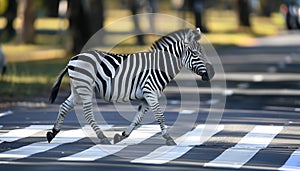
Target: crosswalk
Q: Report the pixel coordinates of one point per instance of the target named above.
(258, 138)
(184, 143)
(17, 134)
(246, 148)
(99, 151)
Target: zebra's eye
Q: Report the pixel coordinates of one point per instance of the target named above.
(196, 52)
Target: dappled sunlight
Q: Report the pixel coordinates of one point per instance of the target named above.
(24, 53)
(3, 22)
(238, 39)
(26, 79)
(51, 23)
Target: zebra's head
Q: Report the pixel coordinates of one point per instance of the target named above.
(194, 58)
(184, 45)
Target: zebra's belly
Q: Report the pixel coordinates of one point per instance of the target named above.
(122, 94)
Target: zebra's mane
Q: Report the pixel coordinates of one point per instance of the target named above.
(176, 35)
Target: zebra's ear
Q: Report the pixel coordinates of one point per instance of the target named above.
(197, 34)
(193, 35)
(199, 31)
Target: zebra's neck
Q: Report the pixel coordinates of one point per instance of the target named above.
(173, 48)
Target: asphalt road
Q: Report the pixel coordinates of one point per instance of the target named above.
(258, 129)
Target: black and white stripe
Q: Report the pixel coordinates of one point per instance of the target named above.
(125, 77)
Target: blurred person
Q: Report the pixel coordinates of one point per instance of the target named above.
(198, 8)
(291, 10)
(150, 6)
(2, 62)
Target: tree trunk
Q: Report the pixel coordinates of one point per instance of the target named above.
(10, 15)
(52, 7)
(243, 7)
(96, 15)
(27, 13)
(86, 17)
(267, 7)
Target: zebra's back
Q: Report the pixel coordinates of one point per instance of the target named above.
(120, 77)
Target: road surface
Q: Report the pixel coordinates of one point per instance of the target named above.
(259, 129)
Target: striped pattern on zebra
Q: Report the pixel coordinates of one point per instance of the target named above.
(124, 77)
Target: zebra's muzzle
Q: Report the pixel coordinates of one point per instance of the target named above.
(209, 74)
(205, 76)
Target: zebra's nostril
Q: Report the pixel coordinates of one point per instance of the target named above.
(210, 70)
(200, 71)
(205, 77)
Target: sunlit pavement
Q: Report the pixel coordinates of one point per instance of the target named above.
(259, 129)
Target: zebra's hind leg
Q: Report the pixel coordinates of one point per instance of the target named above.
(152, 99)
(84, 90)
(89, 117)
(169, 139)
(64, 108)
(143, 107)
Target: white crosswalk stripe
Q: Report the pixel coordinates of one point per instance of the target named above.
(6, 113)
(99, 151)
(293, 163)
(17, 134)
(246, 148)
(185, 143)
(1, 140)
(235, 157)
(38, 147)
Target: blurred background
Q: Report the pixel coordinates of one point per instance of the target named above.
(38, 37)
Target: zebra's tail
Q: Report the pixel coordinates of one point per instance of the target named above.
(56, 85)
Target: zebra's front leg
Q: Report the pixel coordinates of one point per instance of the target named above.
(64, 108)
(152, 100)
(143, 107)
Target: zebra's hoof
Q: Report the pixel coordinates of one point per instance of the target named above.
(118, 138)
(105, 141)
(170, 142)
(50, 136)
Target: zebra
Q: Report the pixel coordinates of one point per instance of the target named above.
(125, 77)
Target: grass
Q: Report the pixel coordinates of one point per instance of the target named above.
(32, 69)
(28, 80)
